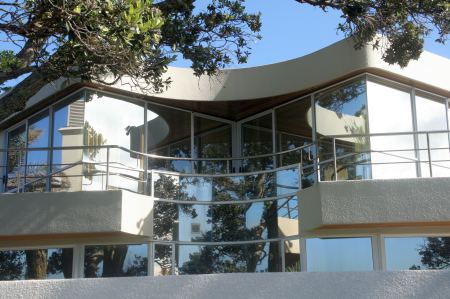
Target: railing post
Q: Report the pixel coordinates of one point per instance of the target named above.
(429, 154)
(334, 159)
(107, 168)
(228, 166)
(18, 170)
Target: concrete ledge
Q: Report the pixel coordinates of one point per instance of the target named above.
(27, 214)
(406, 284)
(370, 202)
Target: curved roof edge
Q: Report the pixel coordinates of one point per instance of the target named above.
(307, 72)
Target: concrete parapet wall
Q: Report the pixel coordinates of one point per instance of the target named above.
(406, 284)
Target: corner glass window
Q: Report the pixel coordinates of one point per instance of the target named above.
(343, 111)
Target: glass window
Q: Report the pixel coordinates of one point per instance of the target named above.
(431, 116)
(115, 260)
(68, 122)
(212, 139)
(257, 257)
(390, 111)
(294, 129)
(337, 255)
(417, 253)
(37, 163)
(226, 222)
(113, 121)
(343, 111)
(257, 140)
(17, 142)
(54, 263)
(163, 260)
(292, 255)
(169, 134)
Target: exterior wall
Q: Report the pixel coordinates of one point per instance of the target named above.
(75, 212)
(411, 284)
(375, 202)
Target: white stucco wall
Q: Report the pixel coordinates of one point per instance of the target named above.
(75, 212)
(407, 284)
(375, 201)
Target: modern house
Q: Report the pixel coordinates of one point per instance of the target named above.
(335, 161)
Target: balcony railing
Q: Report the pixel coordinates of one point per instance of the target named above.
(331, 158)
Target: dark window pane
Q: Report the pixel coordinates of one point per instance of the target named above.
(115, 260)
(36, 264)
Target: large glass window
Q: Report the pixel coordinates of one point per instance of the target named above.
(68, 122)
(293, 130)
(112, 121)
(37, 160)
(115, 260)
(337, 255)
(169, 134)
(17, 141)
(431, 116)
(257, 140)
(212, 139)
(343, 111)
(417, 253)
(226, 222)
(51, 263)
(257, 257)
(389, 112)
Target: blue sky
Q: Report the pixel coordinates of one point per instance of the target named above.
(291, 30)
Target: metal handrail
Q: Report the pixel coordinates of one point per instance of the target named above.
(315, 164)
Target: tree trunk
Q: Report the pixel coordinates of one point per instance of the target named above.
(36, 264)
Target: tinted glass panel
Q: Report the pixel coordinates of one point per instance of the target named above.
(259, 257)
(163, 260)
(113, 121)
(169, 134)
(226, 222)
(37, 163)
(17, 141)
(36, 264)
(115, 260)
(292, 255)
(68, 122)
(390, 111)
(343, 111)
(257, 140)
(419, 253)
(431, 116)
(212, 139)
(336, 255)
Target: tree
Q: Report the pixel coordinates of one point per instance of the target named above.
(104, 40)
(435, 254)
(404, 24)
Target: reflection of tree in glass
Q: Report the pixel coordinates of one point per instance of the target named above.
(112, 259)
(11, 265)
(229, 223)
(338, 98)
(435, 254)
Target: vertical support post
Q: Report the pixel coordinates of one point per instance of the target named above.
(173, 259)
(78, 261)
(303, 255)
(18, 177)
(48, 182)
(107, 168)
(228, 166)
(152, 183)
(145, 149)
(429, 154)
(334, 159)
(151, 258)
(283, 258)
